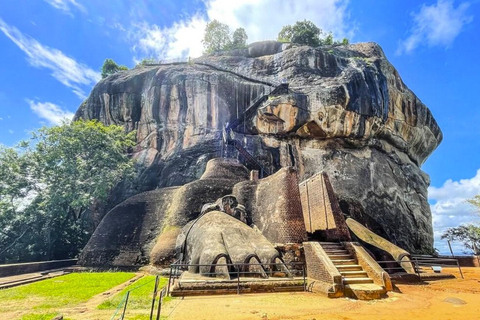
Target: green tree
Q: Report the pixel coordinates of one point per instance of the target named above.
(475, 201)
(468, 234)
(307, 33)
(110, 67)
(50, 186)
(217, 37)
(328, 39)
(302, 32)
(239, 38)
(146, 61)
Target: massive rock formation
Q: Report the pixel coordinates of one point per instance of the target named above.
(346, 112)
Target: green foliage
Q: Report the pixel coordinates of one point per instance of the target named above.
(475, 201)
(146, 61)
(328, 39)
(307, 33)
(110, 67)
(40, 316)
(217, 37)
(345, 41)
(52, 294)
(302, 32)
(239, 39)
(140, 294)
(48, 190)
(469, 234)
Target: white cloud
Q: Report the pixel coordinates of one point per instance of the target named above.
(262, 19)
(65, 5)
(49, 111)
(10, 131)
(181, 40)
(450, 209)
(65, 69)
(436, 25)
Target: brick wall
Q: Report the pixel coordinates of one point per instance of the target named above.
(275, 206)
(321, 211)
(468, 261)
(319, 266)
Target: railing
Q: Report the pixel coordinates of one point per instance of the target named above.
(123, 305)
(419, 262)
(238, 270)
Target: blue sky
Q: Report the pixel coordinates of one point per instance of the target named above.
(52, 51)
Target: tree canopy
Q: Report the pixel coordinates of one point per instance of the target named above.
(307, 33)
(475, 201)
(468, 234)
(110, 67)
(217, 37)
(50, 185)
(239, 38)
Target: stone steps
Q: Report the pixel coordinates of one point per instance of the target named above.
(334, 257)
(349, 267)
(356, 280)
(365, 291)
(336, 251)
(354, 274)
(344, 262)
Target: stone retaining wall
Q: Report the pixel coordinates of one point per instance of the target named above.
(7, 270)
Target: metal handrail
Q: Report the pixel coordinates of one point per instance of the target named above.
(238, 271)
(425, 261)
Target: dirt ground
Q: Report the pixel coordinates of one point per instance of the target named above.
(441, 299)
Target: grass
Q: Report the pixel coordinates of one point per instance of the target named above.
(140, 294)
(39, 316)
(45, 297)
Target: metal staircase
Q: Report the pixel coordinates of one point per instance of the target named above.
(228, 138)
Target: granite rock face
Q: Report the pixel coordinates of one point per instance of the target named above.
(347, 112)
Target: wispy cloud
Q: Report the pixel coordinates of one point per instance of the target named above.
(436, 25)
(449, 206)
(10, 131)
(180, 40)
(51, 112)
(69, 72)
(184, 37)
(66, 5)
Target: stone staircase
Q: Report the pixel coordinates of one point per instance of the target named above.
(355, 279)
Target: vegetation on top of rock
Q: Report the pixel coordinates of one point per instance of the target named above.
(307, 33)
(50, 186)
(146, 61)
(110, 67)
(217, 37)
(239, 38)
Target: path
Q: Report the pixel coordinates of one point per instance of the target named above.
(444, 299)
(87, 309)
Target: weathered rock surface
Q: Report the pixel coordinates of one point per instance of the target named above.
(358, 122)
(218, 238)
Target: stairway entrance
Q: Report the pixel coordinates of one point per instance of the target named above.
(357, 283)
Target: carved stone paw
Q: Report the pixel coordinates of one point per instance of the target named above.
(216, 239)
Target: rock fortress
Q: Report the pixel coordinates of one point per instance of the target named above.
(272, 163)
